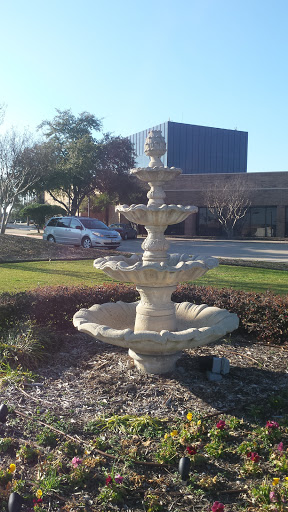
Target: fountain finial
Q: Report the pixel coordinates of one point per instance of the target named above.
(155, 147)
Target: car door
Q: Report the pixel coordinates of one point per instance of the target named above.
(62, 231)
(76, 229)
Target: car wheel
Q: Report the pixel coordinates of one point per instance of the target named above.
(86, 242)
(51, 238)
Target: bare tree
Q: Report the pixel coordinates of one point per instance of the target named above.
(22, 163)
(229, 202)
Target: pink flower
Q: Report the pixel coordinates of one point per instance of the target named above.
(253, 456)
(272, 424)
(76, 462)
(272, 496)
(37, 501)
(221, 425)
(191, 450)
(109, 480)
(280, 447)
(217, 507)
(118, 479)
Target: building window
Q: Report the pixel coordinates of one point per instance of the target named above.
(207, 223)
(176, 229)
(286, 222)
(259, 222)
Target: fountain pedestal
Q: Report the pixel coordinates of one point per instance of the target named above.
(155, 311)
(155, 363)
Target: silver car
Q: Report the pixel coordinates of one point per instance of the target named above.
(83, 231)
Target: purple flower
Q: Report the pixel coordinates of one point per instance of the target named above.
(272, 496)
(76, 462)
(118, 479)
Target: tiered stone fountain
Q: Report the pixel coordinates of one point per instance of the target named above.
(155, 329)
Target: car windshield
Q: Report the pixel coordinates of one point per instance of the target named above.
(93, 224)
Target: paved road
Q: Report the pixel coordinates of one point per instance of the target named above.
(259, 250)
(249, 250)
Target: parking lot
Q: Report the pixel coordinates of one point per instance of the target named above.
(264, 250)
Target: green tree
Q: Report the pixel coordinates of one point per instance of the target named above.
(82, 164)
(40, 212)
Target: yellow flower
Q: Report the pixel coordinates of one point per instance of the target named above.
(12, 468)
(166, 436)
(174, 433)
(189, 416)
(39, 494)
(275, 481)
(199, 422)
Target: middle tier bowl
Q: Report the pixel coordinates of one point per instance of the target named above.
(178, 268)
(153, 215)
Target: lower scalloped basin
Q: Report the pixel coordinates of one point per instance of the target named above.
(196, 325)
(178, 268)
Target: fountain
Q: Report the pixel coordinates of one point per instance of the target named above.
(155, 329)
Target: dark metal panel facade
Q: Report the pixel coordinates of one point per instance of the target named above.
(138, 139)
(198, 149)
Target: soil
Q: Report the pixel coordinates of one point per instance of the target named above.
(95, 380)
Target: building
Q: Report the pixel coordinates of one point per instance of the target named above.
(197, 149)
(208, 157)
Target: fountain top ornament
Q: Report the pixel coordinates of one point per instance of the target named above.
(155, 329)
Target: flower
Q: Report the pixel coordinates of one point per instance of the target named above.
(191, 450)
(12, 468)
(166, 436)
(217, 507)
(275, 481)
(221, 425)
(272, 424)
(38, 494)
(109, 480)
(253, 456)
(37, 501)
(118, 479)
(76, 462)
(174, 433)
(189, 416)
(273, 496)
(280, 447)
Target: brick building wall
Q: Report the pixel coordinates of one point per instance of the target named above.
(265, 189)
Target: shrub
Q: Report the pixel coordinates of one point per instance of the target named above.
(55, 306)
(263, 315)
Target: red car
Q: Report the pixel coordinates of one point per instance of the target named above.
(125, 230)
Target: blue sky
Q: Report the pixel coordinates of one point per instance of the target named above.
(219, 63)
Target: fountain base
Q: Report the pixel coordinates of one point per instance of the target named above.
(156, 364)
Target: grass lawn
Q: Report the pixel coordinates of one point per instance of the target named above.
(23, 276)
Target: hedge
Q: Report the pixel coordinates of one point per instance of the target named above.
(265, 316)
